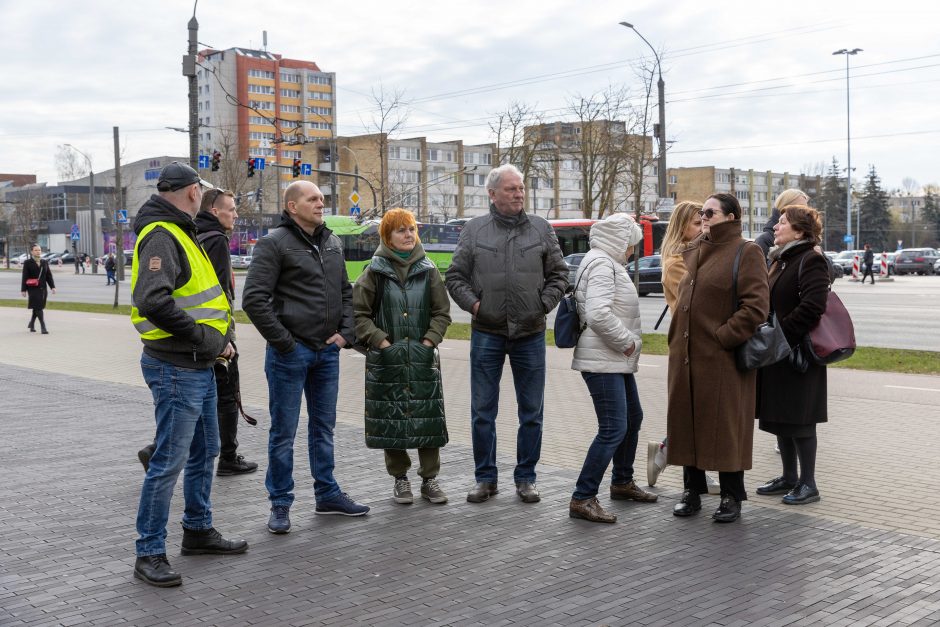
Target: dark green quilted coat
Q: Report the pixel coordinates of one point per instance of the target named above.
(404, 397)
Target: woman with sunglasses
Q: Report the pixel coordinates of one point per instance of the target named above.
(711, 405)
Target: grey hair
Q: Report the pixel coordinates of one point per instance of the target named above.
(492, 179)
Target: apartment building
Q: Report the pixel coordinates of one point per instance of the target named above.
(287, 101)
(756, 190)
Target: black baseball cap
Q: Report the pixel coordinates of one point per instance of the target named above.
(177, 176)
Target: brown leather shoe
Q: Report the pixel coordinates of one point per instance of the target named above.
(631, 492)
(590, 509)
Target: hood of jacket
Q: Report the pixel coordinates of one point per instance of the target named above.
(614, 234)
(158, 209)
(206, 221)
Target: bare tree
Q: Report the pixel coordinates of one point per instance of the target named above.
(27, 215)
(69, 165)
(390, 112)
(523, 140)
(910, 186)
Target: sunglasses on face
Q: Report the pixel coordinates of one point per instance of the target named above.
(710, 213)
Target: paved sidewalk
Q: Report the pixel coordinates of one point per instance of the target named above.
(75, 411)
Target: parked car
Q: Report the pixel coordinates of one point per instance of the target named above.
(915, 261)
(846, 258)
(573, 261)
(18, 259)
(651, 274)
(241, 261)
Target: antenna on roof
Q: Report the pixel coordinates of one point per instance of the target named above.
(264, 38)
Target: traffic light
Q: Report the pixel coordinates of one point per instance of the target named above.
(251, 168)
(295, 170)
(216, 160)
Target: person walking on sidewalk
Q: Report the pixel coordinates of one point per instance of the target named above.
(214, 224)
(508, 272)
(109, 267)
(298, 296)
(791, 403)
(607, 355)
(402, 312)
(869, 262)
(35, 285)
(711, 403)
(183, 318)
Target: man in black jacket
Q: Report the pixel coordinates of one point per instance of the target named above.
(299, 298)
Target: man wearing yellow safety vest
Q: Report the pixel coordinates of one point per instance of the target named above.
(184, 320)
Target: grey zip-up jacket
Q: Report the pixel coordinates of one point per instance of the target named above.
(297, 289)
(513, 267)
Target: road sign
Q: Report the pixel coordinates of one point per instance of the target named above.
(259, 163)
(203, 162)
(355, 211)
(306, 169)
(121, 217)
(75, 235)
(848, 239)
(354, 198)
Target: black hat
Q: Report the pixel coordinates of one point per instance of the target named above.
(177, 176)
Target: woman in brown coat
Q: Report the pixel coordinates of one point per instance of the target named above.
(711, 407)
(791, 403)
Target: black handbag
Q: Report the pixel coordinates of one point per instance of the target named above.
(568, 325)
(768, 345)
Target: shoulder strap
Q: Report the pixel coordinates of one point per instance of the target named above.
(734, 277)
(202, 237)
(581, 276)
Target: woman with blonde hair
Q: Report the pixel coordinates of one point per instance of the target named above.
(402, 312)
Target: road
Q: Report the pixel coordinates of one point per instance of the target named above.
(903, 313)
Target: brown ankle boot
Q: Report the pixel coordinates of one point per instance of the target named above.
(631, 492)
(590, 509)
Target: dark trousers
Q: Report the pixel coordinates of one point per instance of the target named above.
(868, 272)
(37, 315)
(732, 483)
(226, 382)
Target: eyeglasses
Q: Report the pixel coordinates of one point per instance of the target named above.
(212, 195)
(710, 213)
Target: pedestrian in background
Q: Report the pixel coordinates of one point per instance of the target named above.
(607, 355)
(110, 265)
(791, 403)
(508, 272)
(402, 312)
(298, 296)
(869, 263)
(711, 404)
(35, 283)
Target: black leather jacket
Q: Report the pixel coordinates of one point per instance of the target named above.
(297, 289)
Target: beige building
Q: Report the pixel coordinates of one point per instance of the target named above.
(756, 190)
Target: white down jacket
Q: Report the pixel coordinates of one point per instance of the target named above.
(607, 300)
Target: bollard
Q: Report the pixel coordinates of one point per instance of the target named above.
(884, 269)
(854, 268)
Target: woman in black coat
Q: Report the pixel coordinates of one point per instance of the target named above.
(790, 403)
(36, 276)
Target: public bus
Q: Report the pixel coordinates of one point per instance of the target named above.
(440, 240)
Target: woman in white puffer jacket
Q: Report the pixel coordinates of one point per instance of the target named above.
(607, 354)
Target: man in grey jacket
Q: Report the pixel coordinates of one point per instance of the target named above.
(508, 272)
(298, 296)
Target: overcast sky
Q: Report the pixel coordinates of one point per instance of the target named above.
(748, 84)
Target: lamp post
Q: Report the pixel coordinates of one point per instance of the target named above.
(661, 134)
(91, 203)
(848, 143)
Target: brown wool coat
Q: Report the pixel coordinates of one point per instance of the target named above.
(710, 410)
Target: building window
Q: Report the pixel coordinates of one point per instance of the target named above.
(290, 108)
(319, 95)
(257, 119)
(323, 126)
(260, 89)
(320, 110)
(260, 136)
(291, 154)
(316, 79)
(406, 153)
(261, 74)
(474, 180)
(406, 176)
(290, 93)
(290, 78)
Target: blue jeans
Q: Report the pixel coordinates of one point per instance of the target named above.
(619, 416)
(315, 374)
(527, 360)
(187, 434)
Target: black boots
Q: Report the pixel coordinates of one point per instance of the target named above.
(210, 541)
(156, 570)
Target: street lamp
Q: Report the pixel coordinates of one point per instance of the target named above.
(661, 135)
(91, 202)
(848, 142)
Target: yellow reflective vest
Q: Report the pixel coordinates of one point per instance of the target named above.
(201, 297)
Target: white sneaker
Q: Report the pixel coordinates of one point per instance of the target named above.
(655, 461)
(713, 486)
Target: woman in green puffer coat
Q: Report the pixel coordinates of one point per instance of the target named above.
(402, 312)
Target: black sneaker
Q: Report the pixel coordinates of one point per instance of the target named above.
(210, 542)
(279, 520)
(156, 570)
(341, 505)
(237, 466)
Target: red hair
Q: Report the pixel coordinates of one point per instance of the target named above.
(393, 220)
